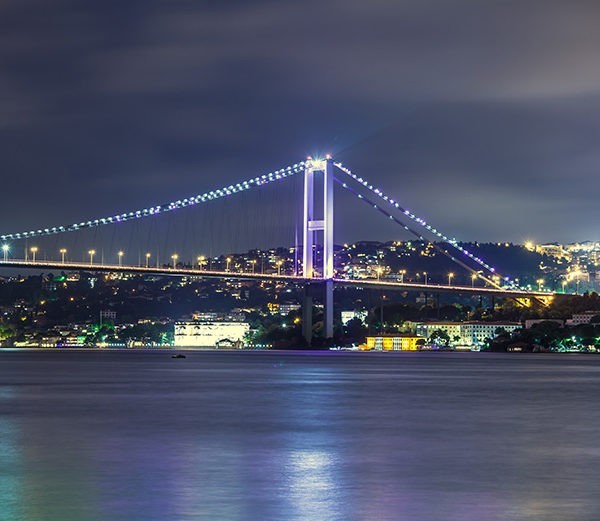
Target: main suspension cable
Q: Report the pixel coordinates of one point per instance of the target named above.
(451, 241)
(162, 208)
(417, 234)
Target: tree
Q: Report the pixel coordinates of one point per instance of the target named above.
(356, 330)
(441, 336)
(5, 332)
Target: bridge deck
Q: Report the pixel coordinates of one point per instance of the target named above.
(193, 272)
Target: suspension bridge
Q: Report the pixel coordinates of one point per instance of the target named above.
(311, 271)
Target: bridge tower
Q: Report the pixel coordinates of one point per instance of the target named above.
(310, 226)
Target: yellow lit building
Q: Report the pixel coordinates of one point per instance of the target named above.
(392, 343)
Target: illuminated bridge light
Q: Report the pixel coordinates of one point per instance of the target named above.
(418, 220)
(244, 185)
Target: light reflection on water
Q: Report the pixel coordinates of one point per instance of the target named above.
(11, 487)
(109, 435)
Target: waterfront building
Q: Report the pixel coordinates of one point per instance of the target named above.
(392, 343)
(426, 329)
(198, 333)
(466, 333)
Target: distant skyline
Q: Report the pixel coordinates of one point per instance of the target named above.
(482, 117)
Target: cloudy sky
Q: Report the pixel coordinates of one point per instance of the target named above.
(481, 115)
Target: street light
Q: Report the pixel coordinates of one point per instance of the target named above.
(91, 253)
(201, 260)
(120, 254)
(450, 277)
(379, 271)
(228, 259)
(34, 250)
(63, 252)
(253, 263)
(5, 250)
(402, 272)
(473, 278)
(174, 257)
(564, 283)
(148, 255)
(279, 263)
(540, 283)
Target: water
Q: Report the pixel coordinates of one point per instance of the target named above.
(137, 435)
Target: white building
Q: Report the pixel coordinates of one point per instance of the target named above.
(426, 329)
(476, 333)
(466, 333)
(209, 334)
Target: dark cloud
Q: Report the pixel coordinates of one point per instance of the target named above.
(482, 116)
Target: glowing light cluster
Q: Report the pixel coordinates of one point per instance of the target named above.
(452, 241)
(162, 208)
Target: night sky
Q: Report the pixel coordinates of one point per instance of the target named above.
(482, 116)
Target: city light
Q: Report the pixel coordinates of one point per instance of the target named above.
(63, 252)
(91, 253)
(148, 255)
(450, 277)
(174, 258)
(34, 250)
(120, 255)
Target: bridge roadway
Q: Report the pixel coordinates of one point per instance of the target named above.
(194, 272)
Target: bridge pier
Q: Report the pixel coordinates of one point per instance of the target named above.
(310, 226)
(328, 311)
(323, 290)
(307, 304)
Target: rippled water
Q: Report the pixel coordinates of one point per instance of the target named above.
(137, 435)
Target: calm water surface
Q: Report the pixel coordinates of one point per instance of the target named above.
(137, 435)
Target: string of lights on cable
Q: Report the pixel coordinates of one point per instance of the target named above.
(421, 222)
(167, 207)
